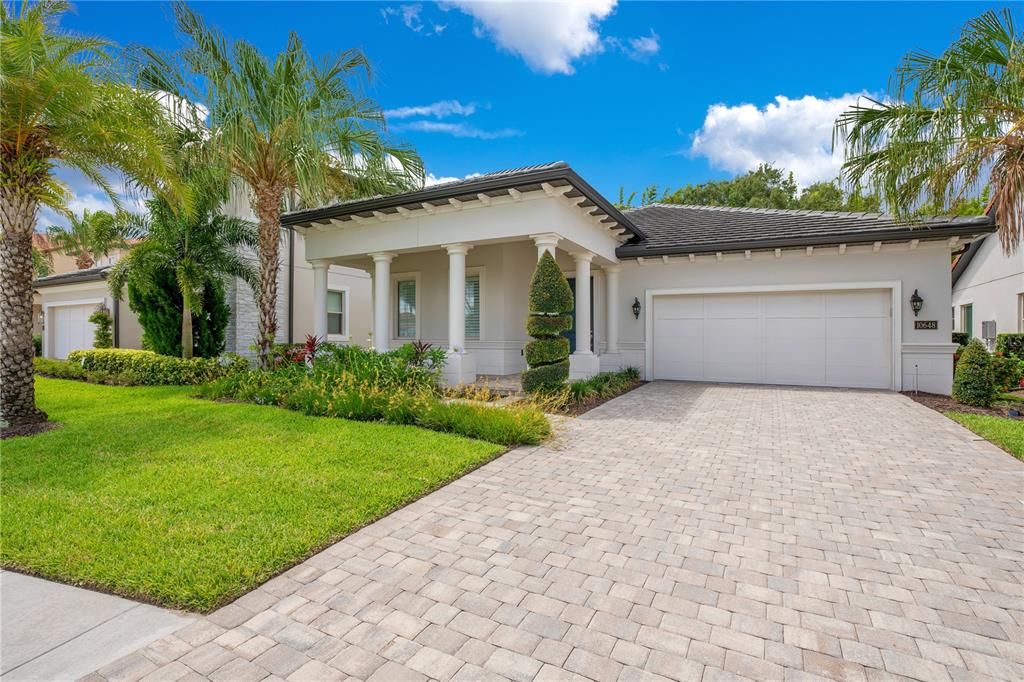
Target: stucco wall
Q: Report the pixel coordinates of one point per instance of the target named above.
(991, 284)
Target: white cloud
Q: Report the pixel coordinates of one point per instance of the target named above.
(442, 109)
(457, 129)
(549, 36)
(411, 16)
(795, 134)
(432, 179)
(640, 49)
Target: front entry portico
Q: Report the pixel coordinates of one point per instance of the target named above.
(454, 271)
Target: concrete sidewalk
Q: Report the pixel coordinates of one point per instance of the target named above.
(50, 631)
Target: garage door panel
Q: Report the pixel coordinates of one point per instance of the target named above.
(71, 329)
(805, 338)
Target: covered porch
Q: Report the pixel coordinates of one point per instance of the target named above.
(451, 266)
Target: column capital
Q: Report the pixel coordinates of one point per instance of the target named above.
(458, 249)
(382, 257)
(320, 263)
(582, 256)
(546, 239)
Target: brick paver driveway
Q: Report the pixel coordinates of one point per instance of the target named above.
(683, 531)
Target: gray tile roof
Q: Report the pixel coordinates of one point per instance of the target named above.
(677, 228)
(88, 275)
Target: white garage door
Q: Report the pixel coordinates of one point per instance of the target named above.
(807, 338)
(71, 329)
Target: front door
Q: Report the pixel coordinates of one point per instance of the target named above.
(571, 334)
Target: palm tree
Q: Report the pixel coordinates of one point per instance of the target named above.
(293, 128)
(42, 262)
(59, 105)
(94, 234)
(952, 123)
(196, 246)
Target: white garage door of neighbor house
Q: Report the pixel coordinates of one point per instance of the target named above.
(805, 338)
(72, 329)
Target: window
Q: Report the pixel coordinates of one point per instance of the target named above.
(967, 319)
(406, 313)
(473, 306)
(336, 313)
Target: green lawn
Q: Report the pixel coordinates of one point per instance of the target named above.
(149, 493)
(1006, 433)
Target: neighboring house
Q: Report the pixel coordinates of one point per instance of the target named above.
(682, 292)
(988, 286)
(65, 300)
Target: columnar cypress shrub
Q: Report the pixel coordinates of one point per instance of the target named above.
(102, 336)
(973, 382)
(548, 355)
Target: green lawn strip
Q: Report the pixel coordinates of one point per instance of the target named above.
(149, 493)
(1004, 432)
(1011, 397)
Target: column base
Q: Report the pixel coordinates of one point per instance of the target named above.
(460, 368)
(612, 361)
(583, 366)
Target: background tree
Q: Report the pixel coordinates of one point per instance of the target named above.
(192, 247)
(159, 308)
(93, 235)
(952, 122)
(288, 128)
(42, 262)
(59, 104)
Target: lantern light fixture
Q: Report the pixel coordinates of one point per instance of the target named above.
(916, 303)
(636, 307)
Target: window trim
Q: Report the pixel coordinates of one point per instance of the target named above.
(1020, 312)
(345, 299)
(397, 277)
(479, 271)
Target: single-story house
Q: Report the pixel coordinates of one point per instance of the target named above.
(988, 286)
(65, 301)
(681, 292)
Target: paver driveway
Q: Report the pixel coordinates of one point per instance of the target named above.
(685, 531)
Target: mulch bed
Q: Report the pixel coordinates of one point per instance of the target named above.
(576, 409)
(943, 403)
(27, 429)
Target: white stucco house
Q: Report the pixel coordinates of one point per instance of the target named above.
(681, 292)
(988, 286)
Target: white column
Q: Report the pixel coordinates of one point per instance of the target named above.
(457, 296)
(583, 302)
(612, 307)
(545, 242)
(320, 269)
(381, 300)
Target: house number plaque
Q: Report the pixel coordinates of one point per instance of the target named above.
(926, 324)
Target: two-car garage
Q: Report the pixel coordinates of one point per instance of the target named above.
(841, 338)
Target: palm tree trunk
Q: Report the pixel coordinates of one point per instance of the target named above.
(17, 383)
(268, 207)
(186, 326)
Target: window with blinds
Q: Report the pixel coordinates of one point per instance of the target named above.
(335, 312)
(473, 307)
(406, 323)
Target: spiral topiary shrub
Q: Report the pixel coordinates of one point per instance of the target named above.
(548, 355)
(973, 381)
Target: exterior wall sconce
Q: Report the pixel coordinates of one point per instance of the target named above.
(916, 302)
(636, 307)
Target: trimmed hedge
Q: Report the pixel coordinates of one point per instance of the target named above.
(549, 290)
(103, 336)
(145, 368)
(548, 325)
(546, 351)
(545, 377)
(973, 381)
(1010, 344)
(1007, 372)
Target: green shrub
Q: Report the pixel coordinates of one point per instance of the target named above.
(146, 368)
(37, 343)
(550, 293)
(961, 338)
(548, 325)
(102, 336)
(973, 382)
(604, 385)
(1010, 344)
(59, 369)
(546, 350)
(1006, 372)
(545, 377)
(159, 312)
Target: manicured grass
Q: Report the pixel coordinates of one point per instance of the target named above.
(1006, 433)
(150, 493)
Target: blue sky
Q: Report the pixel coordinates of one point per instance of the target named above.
(629, 94)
